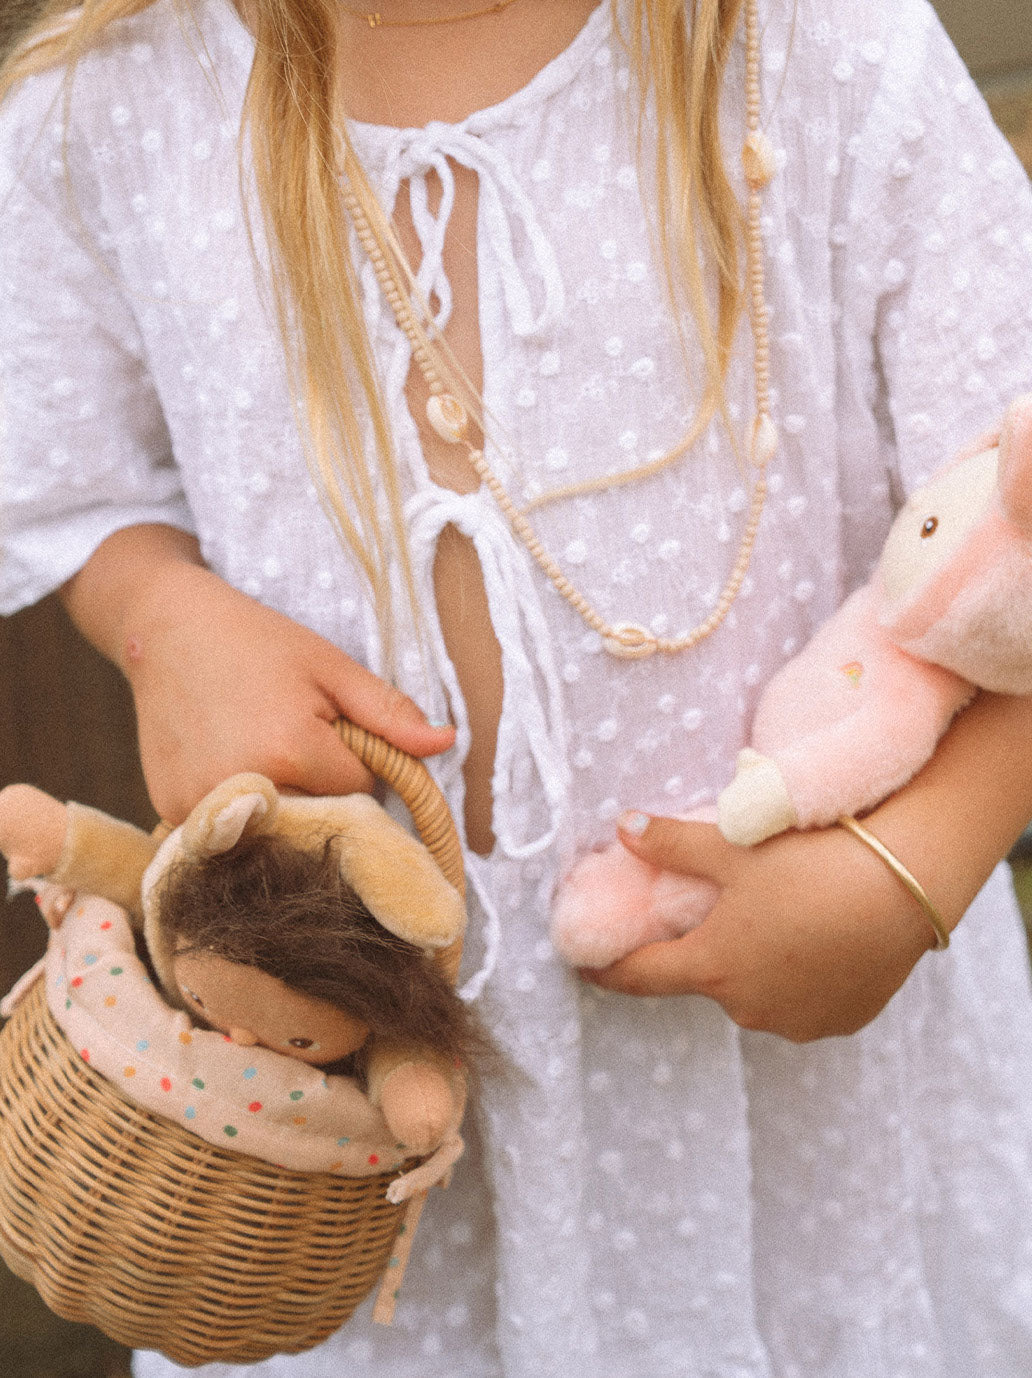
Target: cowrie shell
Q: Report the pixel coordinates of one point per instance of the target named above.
(448, 416)
(630, 641)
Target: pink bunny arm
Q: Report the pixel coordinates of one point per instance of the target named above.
(849, 766)
(852, 717)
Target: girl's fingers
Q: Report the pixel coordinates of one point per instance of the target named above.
(680, 967)
(687, 965)
(369, 701)
(681, 845)
(323, 765)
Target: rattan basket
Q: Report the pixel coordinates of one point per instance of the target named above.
(128, 1221)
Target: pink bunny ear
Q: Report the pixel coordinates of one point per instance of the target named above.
(1015, 475)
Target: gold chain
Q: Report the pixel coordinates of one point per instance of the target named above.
(375, 19)
(450, 418)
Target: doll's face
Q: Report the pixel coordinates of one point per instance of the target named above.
(253, 1007)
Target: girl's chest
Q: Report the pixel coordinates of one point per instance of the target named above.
(557, 307)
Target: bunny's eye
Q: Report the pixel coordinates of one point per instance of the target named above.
(931, 525)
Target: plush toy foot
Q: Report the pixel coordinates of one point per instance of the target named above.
(755, 804)
(612, 903)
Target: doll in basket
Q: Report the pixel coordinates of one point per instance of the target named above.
(303, 925)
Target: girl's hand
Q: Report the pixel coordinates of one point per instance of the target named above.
(223, 684)
(811, 935)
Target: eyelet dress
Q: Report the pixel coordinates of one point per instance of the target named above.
(650, 1190)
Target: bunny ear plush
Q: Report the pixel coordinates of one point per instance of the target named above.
(242, 805)
(392, 873)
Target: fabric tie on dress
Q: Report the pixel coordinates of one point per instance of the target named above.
(531, 734)
(505, 208)
(531, 731)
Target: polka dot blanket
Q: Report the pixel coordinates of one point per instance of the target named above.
(250, 1099)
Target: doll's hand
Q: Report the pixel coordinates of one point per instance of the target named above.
(54, 902)
(32, 830)
(416, 1101)
(223, 684)
(810, 937)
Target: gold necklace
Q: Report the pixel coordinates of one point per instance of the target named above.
(375, 19)
(450, 418)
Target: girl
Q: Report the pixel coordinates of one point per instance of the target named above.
(201, 291)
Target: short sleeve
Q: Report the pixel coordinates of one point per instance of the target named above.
(84, 449)
(937, 242)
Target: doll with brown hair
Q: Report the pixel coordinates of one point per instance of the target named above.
(306, 926)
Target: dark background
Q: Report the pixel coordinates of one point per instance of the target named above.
(66, 721)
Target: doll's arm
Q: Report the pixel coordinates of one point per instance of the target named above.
(104, 856)
(843, 766)
(32, 830)
(73, 846)
(417, 1092)
(829, 734)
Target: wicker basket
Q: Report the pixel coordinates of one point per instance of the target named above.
(126, 1220)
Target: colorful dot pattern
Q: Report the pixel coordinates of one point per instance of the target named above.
(265, 1104)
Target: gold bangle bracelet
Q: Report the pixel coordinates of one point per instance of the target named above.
(942, 937)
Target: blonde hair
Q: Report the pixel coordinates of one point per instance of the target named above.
(296, 142)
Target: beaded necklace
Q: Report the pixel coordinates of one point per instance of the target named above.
(450, 418)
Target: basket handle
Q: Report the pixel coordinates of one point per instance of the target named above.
(418, 791)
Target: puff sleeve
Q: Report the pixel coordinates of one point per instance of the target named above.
(934, 252)
(84, 449)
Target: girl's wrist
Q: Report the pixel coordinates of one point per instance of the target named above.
(108, 599)
(940, 934)
(961, 815)
(169, 595)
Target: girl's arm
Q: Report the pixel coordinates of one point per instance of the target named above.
(223, 684)
(812, 934)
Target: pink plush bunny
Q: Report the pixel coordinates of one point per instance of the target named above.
(861, 708)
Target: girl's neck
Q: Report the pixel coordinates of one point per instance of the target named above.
(409, 76)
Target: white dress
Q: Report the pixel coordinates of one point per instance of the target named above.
(655, 1193)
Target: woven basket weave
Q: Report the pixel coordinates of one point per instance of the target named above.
(128, 1221)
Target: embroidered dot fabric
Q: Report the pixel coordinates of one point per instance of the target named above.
(652, 1191)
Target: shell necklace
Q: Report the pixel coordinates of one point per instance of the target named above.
(450, 418)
